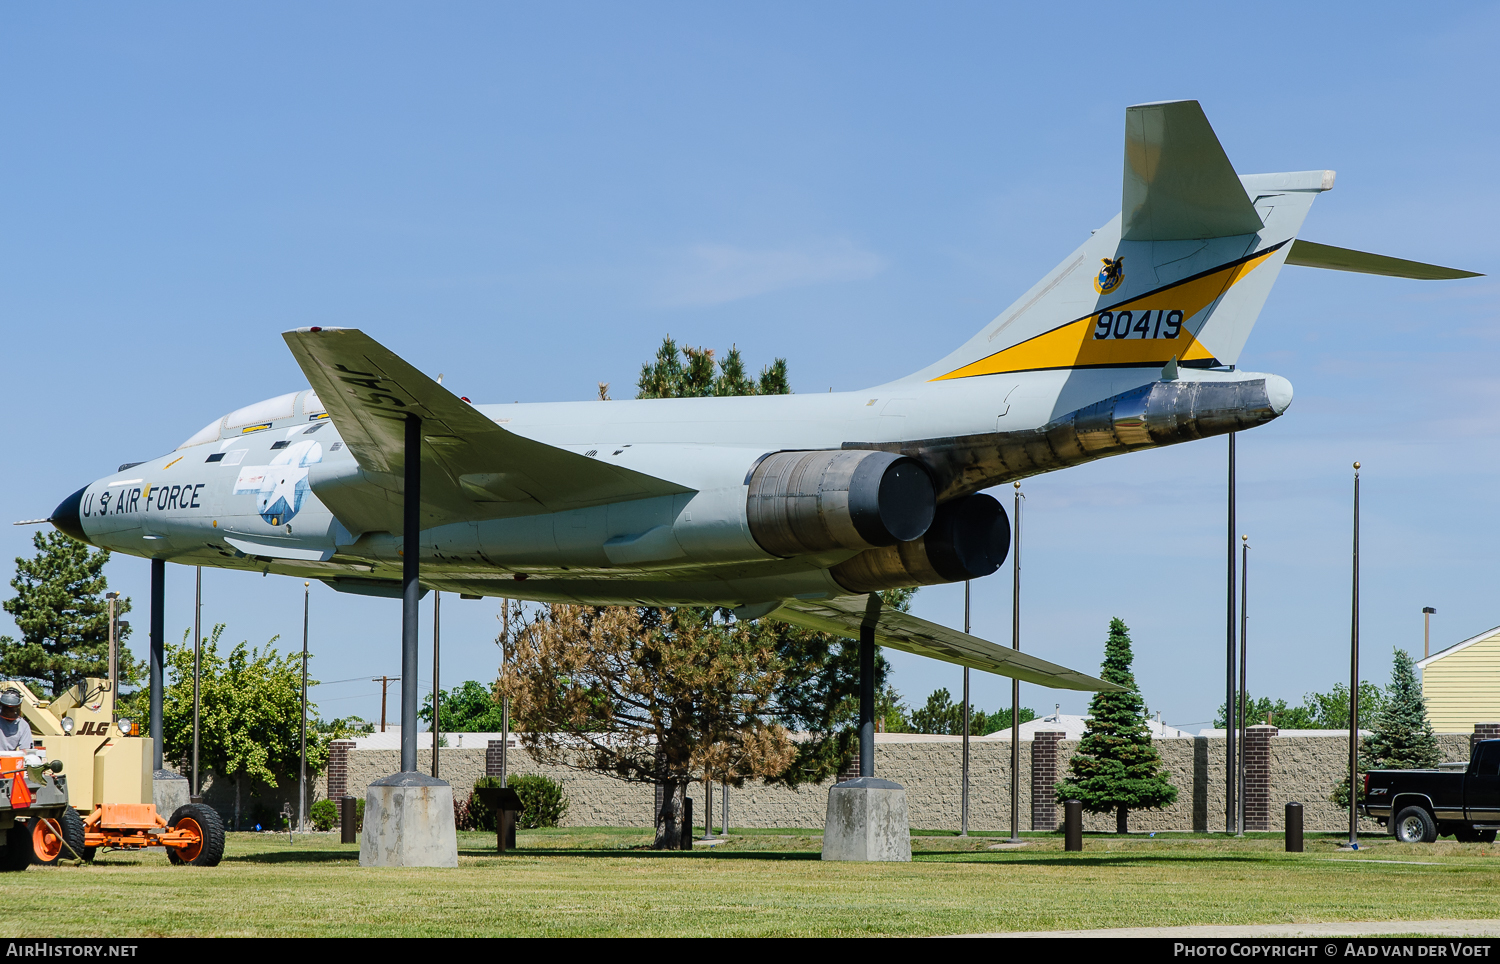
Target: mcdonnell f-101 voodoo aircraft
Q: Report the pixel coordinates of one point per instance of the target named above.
(793, 506)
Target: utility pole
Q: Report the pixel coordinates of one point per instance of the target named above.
(1427, 614)
(384, 681)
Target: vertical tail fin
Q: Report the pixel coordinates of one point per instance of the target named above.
(1181, 273)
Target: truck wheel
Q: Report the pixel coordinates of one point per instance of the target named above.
(17, 854)
(1415, 825)
(48, 847)
(205, 822)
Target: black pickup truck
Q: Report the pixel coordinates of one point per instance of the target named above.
(1421, 805)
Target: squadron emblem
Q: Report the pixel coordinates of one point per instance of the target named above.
(1109, 276)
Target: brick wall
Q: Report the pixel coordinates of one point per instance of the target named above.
(1304, 768)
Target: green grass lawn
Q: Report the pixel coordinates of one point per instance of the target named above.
(602, 881)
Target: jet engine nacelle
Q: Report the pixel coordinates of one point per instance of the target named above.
(806, 502)
(969, 538)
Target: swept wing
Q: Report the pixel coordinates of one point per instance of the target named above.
(472, 467)
(845, 615)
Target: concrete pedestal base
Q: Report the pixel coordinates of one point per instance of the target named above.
(866, 821)
(408, 823)
(168, 791)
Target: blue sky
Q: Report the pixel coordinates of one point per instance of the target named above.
(527, 198)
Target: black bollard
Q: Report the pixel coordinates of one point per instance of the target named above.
(1073, 825)
(347, 820)
(1294, 828)
(686, 827)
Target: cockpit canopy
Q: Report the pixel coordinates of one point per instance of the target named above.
(300, 406)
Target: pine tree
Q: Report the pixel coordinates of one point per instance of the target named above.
(1401, 737)
(1116, 767)
(62, 614)
(668, 377)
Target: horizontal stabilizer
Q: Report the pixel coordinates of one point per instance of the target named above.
(1179, 183)
(1309, 254)
(844, 615)
(472, 467)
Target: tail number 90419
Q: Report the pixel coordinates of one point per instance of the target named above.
(1137, 324)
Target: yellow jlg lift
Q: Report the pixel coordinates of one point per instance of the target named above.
(109, 780)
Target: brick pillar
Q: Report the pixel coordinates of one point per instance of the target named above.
(1044, 761)
(851, 770)
(492, 758)
(1258, 776)
(1484, 731)
(338, 770)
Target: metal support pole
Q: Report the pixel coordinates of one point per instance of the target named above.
(1230, 788)
(1354, 680)
(724, 810)
(197, 794)
(867, 686)
(964, 795)
(158, 653)
(437, 691)
(302, 772)
(113, 669)
(411, 591)
(504, 700)
(1244, 682)
(1015, 684)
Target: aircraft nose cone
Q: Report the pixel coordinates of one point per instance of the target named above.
(66, 516)
(1279, 392)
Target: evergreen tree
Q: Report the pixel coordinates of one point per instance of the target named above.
(1116, 767)
(1401, 737)
(668, 377)
(62, 614)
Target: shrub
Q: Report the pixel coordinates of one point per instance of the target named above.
(324, 815)
(543, 798)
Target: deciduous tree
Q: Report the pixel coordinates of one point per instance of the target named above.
(648, 695)
(250, 714)
(469, 708)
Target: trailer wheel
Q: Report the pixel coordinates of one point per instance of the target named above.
(48, 846)
(17, 854)
(205, 822)
(1415, 825)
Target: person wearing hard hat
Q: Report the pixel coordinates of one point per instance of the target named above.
(15, 733)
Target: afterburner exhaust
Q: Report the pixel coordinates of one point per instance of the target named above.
(804, 502)
(969, 539)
